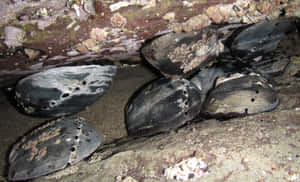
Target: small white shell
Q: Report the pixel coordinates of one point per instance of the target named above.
(190, 168)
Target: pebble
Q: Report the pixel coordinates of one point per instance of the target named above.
(13, 36)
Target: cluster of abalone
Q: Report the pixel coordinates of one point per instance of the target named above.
(63, 140)
(215, 72)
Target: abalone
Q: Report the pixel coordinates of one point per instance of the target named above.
(163, 105)
(240, 95)
(63, 91)
(260, 38)
(51, 147)
(181, 54)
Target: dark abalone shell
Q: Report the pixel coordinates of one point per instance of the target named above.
(163, 105)
(240, 95)
(181, 54)
(52, 147)
(260, 38)
(272, 64)
(64, 90)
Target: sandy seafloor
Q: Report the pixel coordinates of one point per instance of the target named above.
(261, 148)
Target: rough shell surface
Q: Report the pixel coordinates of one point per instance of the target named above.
(163, 105)
(240, 95)
(260, 38)
(63, 91)
(177, 54)
(51, 147)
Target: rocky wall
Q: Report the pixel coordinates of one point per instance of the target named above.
(40, 34)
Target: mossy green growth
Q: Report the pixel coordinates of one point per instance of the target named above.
(136, 11)
(30, 27)
(199, 1)
(57, 29)
(2, 34)
(62, 21)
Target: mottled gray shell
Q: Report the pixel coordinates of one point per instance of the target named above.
(163, 105)
(240, 96)
(64, 90)
(180, 54)
(51, 147)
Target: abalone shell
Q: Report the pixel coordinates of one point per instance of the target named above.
(260, 38)
(163, 105)
(240, 95)
(181, 54)
(52, 147)
(64, 90)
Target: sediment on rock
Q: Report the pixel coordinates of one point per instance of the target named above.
(55, 33)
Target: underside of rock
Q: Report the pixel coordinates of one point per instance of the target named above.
(38, 35)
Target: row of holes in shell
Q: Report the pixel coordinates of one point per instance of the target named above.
(53, 103)
(252, 100)
(78, 124)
